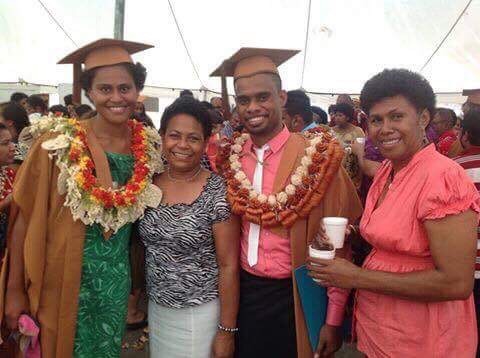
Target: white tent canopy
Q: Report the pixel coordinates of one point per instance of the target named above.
(348, 40)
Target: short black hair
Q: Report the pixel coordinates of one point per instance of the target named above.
(215, 117)
(207, 105)
(17, 114)
(35, 101)
(346, 109)
(186, 92)
(18, 96)
(447, 114)
(331, 108)
(82, 109)
(191, 106)
(59, 108)
(68, 99)
(322, 115)
(298, 103)
(137, 71)
(471, 126)
(398, 82)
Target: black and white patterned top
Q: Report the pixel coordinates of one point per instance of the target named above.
(181, 264)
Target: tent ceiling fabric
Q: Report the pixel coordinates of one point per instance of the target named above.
(349, 40)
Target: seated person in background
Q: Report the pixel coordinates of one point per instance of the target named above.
(7, 175)
(319, 116)
(347, 134)
(443, 123)
(83, 111)
(36, 107)
(297, 114)
(214, 140)
(15, 118)
(217, 104)
(59, 110)
(346, 99)
(470, 161)
(19, 98)
(68, 100)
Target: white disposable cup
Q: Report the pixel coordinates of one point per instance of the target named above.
(335, 228)
(360, 140)
(320, 254)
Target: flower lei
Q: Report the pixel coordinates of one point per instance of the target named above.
(305, 190)
(88, 201)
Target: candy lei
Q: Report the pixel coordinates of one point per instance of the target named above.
(88, 201)
(305, 190)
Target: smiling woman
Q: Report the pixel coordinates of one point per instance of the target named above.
(414, 291)
(74, 209)
(192, 246)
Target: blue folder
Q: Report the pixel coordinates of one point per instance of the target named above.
(314, 303)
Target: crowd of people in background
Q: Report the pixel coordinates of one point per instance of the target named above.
(218, 274)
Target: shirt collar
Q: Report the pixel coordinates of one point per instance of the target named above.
(275, 144)
(310, 126)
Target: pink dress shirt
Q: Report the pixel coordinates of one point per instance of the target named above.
(430, 187)
(274, 255)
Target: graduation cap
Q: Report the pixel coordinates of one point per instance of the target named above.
(473, 95)
(250, 61)
(103, 52)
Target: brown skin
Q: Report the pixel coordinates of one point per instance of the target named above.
(440, 124)
(10, 125)
(368, 167)
(452, 239)
(294, 123)
(340, 120)
(259, 98)
(111, 86)
(7, 154)
(184, 144)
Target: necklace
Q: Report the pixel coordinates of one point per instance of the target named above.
(186, 179)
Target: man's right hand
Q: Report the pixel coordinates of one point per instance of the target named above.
(16, 303)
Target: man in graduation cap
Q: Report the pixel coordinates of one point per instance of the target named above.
(281, 184)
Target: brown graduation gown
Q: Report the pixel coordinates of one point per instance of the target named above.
(340, 199)
(53, 249)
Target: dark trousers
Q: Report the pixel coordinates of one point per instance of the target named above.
(476, 296)
(266, 318)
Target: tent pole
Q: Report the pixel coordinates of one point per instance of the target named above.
(119, 19)
(77, 90)
(225, 100)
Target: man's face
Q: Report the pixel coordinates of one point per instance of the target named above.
(259, 104)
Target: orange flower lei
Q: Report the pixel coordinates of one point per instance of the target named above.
(308, 183)
(86, 180)
(88, 201)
